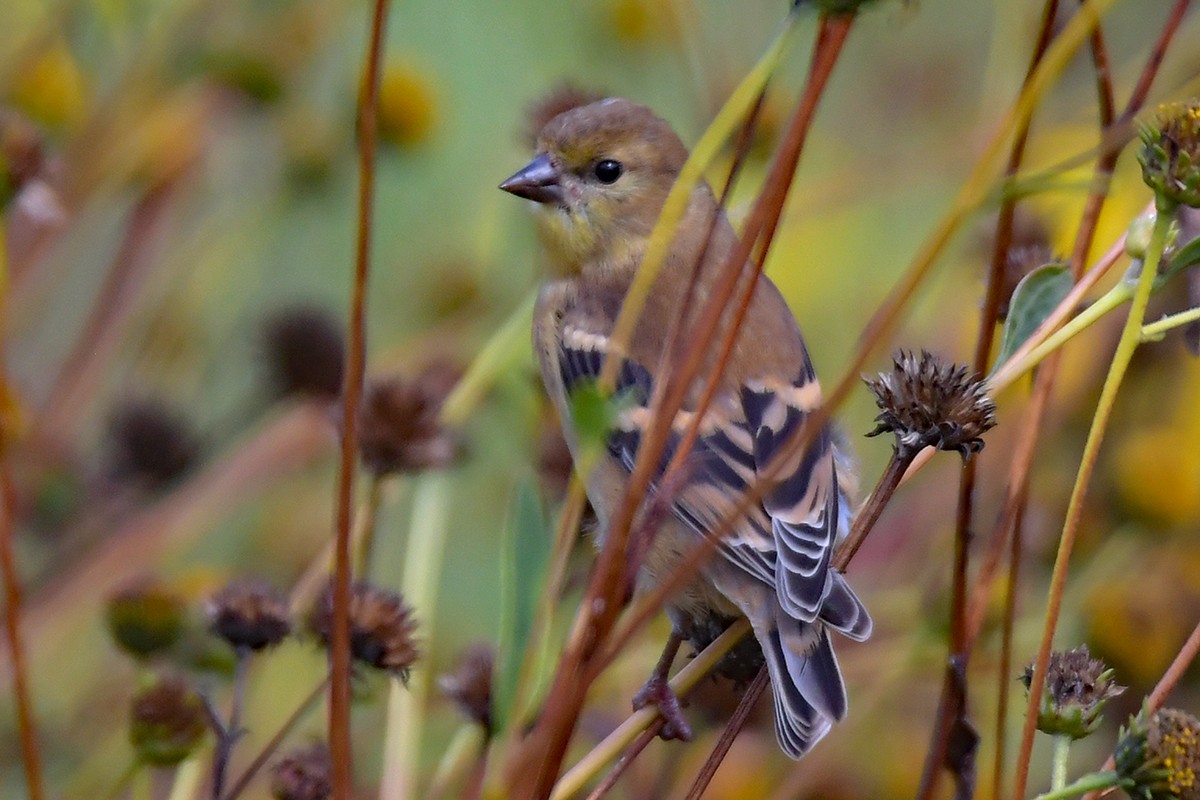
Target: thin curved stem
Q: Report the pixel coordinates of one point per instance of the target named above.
(340, 748)
(590, 765)
(1126, 346)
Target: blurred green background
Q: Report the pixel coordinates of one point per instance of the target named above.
(199, 176)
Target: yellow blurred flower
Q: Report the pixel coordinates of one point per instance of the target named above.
(644, 21)
(407, 105)
(49, 87)
(1158, 475)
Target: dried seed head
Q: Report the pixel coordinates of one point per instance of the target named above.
(250, 615)
(927, 403)
(304, 351)
(1170, 154)
(167, 722)
(470, 685)
(1159, 758)
(303, 774)
(558, 100)
(1077, 687)
(146, 617)
(399, 425)
(381, 628)
(150, 443)
(21, 155)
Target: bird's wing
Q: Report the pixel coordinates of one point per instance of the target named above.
(784, 539)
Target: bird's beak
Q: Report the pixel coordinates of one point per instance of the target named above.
(537, 181)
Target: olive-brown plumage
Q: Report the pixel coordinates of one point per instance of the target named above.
(599, 179)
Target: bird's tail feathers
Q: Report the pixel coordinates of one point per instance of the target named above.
(807, 687)
(844, 612)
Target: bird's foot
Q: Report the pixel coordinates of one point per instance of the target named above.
(658, 692)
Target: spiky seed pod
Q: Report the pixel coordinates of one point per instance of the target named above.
(1077, 688)
(167, 722)
(399, 425)
(1170, 154)
(381, 628)
(470, 685)
(146, 617)
(304, 350)
(150, 443)
(250, 615)
(558, 100)
(1158, 756)
(303, 774)
(928, 403)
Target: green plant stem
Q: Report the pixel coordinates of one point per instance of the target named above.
(1155, 331)
(1058, 767)
(364, 524)
(1110, 300)
(422, 569)
(1130, 337)
(124, 780)
(1088, 783)
(272, 745)
(141, 784)
(506, 348)
(187, 779)
(590, 765)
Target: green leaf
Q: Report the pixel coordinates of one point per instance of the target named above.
(1035, 297)
(526, 556)
(1186, 256)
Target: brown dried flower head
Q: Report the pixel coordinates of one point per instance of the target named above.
(250, 615)
(1170, 154)
(21, 154)
(470, 685)
(167, 722)
(928, 403)
(381, 628)
(303, 774)
(304, 350)
(400, 429)
(1158, 756)
(558, 100)
(1077, 687)
(150, 443)
(146, 617)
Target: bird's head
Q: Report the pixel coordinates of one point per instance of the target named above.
(600, 176)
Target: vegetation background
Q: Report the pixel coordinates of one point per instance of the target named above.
(200, 168)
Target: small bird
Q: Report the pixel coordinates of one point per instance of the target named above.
(598, 180)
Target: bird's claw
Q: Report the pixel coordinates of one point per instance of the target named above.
(658, 692)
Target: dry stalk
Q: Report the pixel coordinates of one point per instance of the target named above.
(339, 651)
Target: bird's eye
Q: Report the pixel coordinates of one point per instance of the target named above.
(607, 170)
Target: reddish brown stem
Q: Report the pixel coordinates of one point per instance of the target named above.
(829, 43)
(114, 307)
(1006, 643)
(949, 710)
(26, 725)
(339, 690)
(627, 758)
(865, 519)
(732, 729)
(275, 741)
(537, 769)
(1137, 97)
